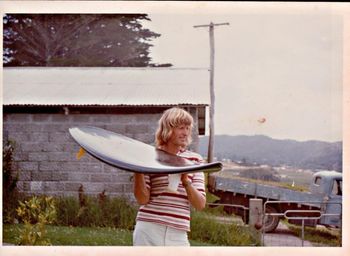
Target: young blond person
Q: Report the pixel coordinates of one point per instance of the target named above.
(163, 218)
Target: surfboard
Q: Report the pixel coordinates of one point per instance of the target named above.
(132, 155)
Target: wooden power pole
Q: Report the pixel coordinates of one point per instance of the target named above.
(212, 92)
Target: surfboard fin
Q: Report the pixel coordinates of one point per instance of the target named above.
(81, 153)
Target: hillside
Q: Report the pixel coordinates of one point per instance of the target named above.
(265, 150)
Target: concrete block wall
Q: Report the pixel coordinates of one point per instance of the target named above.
(45, 153)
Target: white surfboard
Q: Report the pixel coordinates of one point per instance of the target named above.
(132, 155)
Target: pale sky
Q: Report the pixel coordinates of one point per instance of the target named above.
(283, 66)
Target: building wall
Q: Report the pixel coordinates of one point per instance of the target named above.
(45, 153)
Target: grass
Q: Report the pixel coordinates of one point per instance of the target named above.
(60, 235)
(318, 235)
(110, 221)
(82, 236)
(207, 230)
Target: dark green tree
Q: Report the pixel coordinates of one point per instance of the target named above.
(117, 40)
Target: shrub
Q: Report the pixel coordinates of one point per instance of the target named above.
(67, 210)
(88, 211)
(36, 213)
(11, 196)
(125, 213)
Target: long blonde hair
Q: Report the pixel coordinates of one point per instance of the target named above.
(171, 119)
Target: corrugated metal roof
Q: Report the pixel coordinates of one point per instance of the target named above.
(105, 86)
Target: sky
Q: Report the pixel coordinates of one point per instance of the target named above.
(277, 73)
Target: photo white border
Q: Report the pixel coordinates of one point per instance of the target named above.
(342, 9)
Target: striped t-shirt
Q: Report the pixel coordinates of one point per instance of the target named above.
(167, 208)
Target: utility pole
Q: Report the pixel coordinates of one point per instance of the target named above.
(212, 92)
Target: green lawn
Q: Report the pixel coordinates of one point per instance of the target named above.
(82, 236)
(321, 236)
(60, 235)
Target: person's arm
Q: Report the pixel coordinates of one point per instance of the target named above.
(141, 191)
(196, 198)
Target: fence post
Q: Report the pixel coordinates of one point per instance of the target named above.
(255, 217)
(302, 232)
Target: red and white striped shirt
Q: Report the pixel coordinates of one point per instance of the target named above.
(167, 208)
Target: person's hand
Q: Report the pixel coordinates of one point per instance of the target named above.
(185, 180)
(141, 192)
(196, 198)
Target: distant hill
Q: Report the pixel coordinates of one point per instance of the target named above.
(265, 150)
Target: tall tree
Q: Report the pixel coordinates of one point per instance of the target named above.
(77, 40)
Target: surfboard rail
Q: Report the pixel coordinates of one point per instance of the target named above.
(132, 155)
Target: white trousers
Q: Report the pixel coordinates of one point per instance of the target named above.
(151, 234)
